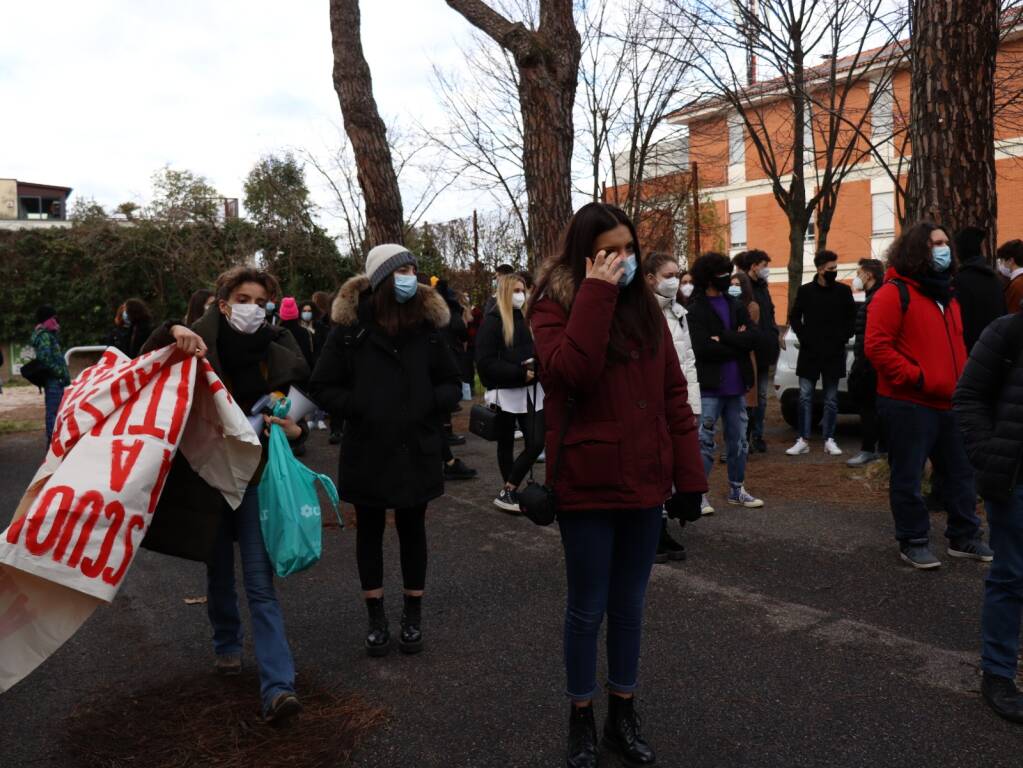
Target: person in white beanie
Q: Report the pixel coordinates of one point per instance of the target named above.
(388, 372)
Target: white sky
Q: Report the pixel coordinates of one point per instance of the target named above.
(99, 94)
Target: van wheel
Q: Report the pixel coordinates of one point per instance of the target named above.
(790, 408)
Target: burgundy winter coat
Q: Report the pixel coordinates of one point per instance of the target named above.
(632, 434)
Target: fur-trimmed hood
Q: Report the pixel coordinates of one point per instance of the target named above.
(345, 309)
(560, 286)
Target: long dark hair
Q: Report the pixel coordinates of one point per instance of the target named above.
(637, 318)
(910, 255)
(197, 305)
(392, 317)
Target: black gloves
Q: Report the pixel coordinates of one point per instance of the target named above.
(684, 506)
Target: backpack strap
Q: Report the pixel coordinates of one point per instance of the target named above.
(903, 293)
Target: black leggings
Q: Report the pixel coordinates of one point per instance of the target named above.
(369, 546)
(514, 470)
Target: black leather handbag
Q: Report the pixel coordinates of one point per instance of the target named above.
(537, 501)
(483, 421)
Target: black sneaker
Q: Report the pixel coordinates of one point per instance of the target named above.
(759, 445)
(284, 706)
(508, 501)
(457, 470)
(230, 664)
(1002, 696)
(918, 554)
(971, 549)
(456, 439)
(335, 437)
(672, 549)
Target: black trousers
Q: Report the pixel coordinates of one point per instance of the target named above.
(514, 469)
(369, 546)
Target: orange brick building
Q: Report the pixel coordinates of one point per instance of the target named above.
(746, 213)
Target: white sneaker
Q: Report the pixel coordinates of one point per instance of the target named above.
(518, 434)
(321, 424)
(831, 447)
(799, 448)
(705, 506)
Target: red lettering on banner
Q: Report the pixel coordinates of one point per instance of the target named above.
(148, 426)
(218, 385)
(32, 543)
(128, 380)
(110, 576)
(178, 419)
(154, 496)
(91, 567)
(14, 530)
(92, 499)
(120, 468)
(95, 500)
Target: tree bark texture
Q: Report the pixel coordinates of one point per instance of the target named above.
(952, 171)
(548, 64)
(365, 129)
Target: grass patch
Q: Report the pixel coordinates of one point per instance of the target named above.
(17, 381)
(20, 425)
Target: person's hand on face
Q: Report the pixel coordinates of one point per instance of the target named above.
(606, 267)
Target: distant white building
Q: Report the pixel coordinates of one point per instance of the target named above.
(24, 205)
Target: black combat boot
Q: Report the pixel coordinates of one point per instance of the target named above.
(621, 733)
(582, 738)
(411, 640)
(378, 638)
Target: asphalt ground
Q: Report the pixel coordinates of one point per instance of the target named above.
(792, 635)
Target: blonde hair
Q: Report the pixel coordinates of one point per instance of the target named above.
(506, 285)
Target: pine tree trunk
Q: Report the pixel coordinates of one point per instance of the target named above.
(952, 171)
(548, 64)
(365, 128)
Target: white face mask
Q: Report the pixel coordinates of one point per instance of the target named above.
(764, 273)
(518, 299)
(687, 289)
(1004, 269)
(857, 284)
(668, 288)
(247, 318)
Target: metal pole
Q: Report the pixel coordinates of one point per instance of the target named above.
(696, 206)
(475, 237)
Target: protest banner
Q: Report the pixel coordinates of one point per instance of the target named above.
(78, 527)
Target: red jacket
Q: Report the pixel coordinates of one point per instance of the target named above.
(920, 354)
(632, 434)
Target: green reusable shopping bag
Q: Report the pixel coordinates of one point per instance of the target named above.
(289, 508)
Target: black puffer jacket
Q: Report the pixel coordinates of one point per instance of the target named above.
(981, 299)
(393, 394)
(862, 376)
(704, 323)
(500, 366)
(988, 404)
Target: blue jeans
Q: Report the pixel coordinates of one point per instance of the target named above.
(608, 557)
(53, 392)
(276, 667)
(916, 433)
(760, 412)
(1003, 588)
(732, 412)
(806, 389)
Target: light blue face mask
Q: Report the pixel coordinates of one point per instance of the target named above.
(270, 306)
(941, 257)
(630, 271)
(405, 287)
(735, 291)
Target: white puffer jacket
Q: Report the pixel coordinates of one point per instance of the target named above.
(675, 314)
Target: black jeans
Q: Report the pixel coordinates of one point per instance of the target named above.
(914, 434)
(514, 470)
(872, 436)
(369, 546)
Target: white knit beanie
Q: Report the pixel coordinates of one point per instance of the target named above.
(384, 259)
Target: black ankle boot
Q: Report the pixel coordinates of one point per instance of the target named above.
(582, 738)
(621, 732)
(1002, 696)
(411, 640)
(378, 638)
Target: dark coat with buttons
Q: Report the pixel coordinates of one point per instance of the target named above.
(988, 405)
(393, 394)
(632, 434)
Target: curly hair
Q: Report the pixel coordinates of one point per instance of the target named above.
(910, 254)
(228, 281)
(707, 267)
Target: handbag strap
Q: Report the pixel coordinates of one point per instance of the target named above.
(569, 410)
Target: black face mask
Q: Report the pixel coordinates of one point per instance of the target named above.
(830, 278)
(721, 284)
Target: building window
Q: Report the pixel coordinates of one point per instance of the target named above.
(809, 156)
(736, 142)
(882, 116)
(883, 213)
(811, 229)
(737, 226)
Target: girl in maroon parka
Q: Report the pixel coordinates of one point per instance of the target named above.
(608, 366)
